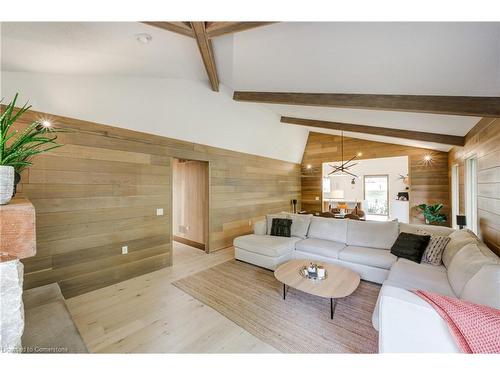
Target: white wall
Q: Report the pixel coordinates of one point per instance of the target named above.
(393, 167)
(181, 109)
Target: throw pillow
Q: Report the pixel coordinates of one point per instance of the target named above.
(269, 220)
(410, 246)
(434, 251)
(281, 227)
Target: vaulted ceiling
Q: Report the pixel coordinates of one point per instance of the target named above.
(452, 59)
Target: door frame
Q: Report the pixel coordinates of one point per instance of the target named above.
(208, 169)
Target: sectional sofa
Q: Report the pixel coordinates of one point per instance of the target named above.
(406, 323)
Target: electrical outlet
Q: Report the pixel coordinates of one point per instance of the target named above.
(124, 249)
(317, 198)
(159, 212)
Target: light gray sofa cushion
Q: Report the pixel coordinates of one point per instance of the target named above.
(432, 229)
(316, 246)
(464, 265)
(372, 234)
(328, 229)
(411, 276)
(368, 256)
(484, 287)
(260, 227)
(272, 246)
(300, 224)
(458, 239)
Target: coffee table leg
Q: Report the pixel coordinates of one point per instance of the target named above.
(284, 291)
(333, 304)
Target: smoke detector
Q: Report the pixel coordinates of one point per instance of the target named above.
(143, 38)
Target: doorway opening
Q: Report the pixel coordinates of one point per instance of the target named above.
(190, 203)
(376, 188)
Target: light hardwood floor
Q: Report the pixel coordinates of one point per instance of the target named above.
(148, 314)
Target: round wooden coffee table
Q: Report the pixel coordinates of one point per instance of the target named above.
(340, 282)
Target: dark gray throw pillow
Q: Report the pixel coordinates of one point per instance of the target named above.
(281, 227)
(410, 246)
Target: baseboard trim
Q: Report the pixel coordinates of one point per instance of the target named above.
(191, 243)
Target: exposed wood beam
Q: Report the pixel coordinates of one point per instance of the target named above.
(386, 132)
(479, 106)
(176, 27)
(207, 54)
(222, 28)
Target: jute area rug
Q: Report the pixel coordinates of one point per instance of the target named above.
(251, 297)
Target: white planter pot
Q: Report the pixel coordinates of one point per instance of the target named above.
(6, 183)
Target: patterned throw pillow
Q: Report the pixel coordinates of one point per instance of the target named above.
(281, 227)
(434, 251)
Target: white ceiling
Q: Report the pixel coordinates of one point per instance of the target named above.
(108, 48)
(385, 58)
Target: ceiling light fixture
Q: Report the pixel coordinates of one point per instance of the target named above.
(143, 38)
(342, 169)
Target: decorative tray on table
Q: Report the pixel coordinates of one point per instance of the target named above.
(313, 272)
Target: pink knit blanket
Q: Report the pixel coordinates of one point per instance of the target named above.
(475, 328)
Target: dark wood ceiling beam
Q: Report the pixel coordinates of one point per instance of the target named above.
(479, 106)
(375, 130)
(215, 29)
(206, 51)
(176, 27)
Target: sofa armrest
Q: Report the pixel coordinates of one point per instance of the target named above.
(260, 228)
(408, 324)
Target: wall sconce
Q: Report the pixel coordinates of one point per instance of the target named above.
(308, 166)
(427, 159)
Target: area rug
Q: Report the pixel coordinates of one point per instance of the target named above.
(251, 297)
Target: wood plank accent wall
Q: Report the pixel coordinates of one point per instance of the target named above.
(483, 142)
(429, 183)
(101, 190)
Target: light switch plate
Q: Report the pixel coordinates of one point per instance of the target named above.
(159, 212)
(124, 249)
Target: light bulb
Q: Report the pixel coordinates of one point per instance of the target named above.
(46, 124)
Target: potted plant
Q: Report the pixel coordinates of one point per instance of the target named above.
(18, 147)
(431, 213)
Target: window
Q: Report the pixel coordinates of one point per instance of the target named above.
(471, 193)
(376, 195)
(326, 184)
(454, 195)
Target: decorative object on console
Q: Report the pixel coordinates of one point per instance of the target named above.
(431, 213)
(281, 227)
(405, 180)
(294, 205)
(461, 221)
(410, 246)
(403, 196)
(22, 147)
(434, 251)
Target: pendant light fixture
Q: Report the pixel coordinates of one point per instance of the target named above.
(342, 169)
